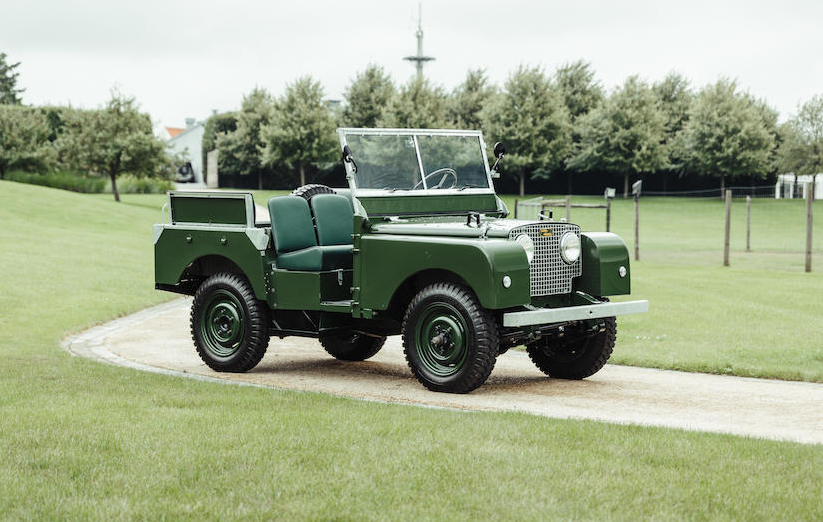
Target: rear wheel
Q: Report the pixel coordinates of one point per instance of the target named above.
(229, 325)
(352, 346)
(450, 341)
(580, 353)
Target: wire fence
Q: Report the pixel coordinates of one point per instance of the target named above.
(760, 191)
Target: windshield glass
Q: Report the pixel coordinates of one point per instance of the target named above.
(384, 162)
(453, 161)
(393, 161)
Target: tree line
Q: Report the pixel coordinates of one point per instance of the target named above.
(112, 140)
(558, 124)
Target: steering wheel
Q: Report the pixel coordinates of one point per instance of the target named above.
(446, 171)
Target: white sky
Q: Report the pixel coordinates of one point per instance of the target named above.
(185, 58)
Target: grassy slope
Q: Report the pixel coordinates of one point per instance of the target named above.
(81, 440)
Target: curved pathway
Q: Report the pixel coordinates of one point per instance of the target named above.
(158, 339)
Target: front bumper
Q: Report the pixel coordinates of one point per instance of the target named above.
(573, 313)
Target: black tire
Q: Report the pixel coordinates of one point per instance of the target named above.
(351, 346)
(309, 191)
(229, 326)
(450, 341)
(577, 356)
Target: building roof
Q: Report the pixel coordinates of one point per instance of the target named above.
(174, 131)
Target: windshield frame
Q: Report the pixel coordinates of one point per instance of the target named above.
(414, 133)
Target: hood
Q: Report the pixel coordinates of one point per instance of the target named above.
(448, 226)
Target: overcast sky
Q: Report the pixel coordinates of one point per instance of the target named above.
(187, 58)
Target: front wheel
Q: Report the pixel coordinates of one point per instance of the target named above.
(351, 346)
(450, 341)
(229, 325)
(581, 352)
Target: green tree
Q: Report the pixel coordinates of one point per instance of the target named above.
(468, 99)
(241, 150)
(114, 140)
(367, 97)
(531, 118)
(216, 125)
(302, 128)
(801, 150)
(24, 142)
(580, 91)
(674, 97)
(624, 135)
(9, 93)
(726, 134)
(417, 105)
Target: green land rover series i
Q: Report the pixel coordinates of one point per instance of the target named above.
(417, 245)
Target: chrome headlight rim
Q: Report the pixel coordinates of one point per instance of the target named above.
(570, 248)
(528, 245)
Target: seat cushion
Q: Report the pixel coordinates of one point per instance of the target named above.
(291, 225)
(336, 256)
(309, 259)
(333, 217)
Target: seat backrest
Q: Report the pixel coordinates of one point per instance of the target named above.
(291, 226)
(333, 217)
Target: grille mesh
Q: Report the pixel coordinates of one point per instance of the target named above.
(550, 275)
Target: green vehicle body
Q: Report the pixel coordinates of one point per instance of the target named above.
(402, 241)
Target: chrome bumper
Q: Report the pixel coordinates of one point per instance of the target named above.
(573, 313)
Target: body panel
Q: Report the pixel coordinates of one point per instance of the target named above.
(603, 255)
(177, 248)
(388, 260)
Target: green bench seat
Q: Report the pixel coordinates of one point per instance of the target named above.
(295, 242)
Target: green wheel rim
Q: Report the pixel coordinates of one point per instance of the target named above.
(223, 324)
(441, 340)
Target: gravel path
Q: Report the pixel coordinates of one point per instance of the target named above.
(158, 339)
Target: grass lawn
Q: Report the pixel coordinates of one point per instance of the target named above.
(81, 440)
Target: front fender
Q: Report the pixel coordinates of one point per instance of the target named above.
(388, 260)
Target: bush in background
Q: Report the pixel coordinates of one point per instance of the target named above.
(67, 180)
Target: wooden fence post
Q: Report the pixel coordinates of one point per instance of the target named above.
(748, 223)
(728, 227)
(809, 199)
(636, 228)
(608, 213)
(568, 209)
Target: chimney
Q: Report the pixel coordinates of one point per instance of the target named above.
(190, 123)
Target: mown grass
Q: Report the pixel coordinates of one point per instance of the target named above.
(82, 440)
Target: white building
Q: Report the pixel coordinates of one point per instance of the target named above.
(188, 141)
(788, 187)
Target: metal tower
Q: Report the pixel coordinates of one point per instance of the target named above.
(419, 59)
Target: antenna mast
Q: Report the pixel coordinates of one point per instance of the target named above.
(419, 59)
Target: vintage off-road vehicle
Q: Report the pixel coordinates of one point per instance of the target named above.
(417, 245)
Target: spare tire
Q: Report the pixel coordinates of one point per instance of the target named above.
(309, 191)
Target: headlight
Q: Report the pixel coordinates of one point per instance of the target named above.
(570, 247)
(527, 244)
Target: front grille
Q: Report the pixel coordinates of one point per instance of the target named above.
(550, 275)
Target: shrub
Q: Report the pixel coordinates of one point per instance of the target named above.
(128, 184)
(65, 180)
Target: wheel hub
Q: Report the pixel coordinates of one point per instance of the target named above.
(223, 324)
(441, 340)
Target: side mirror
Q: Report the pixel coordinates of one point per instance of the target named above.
(499, 150)
(348, 159)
